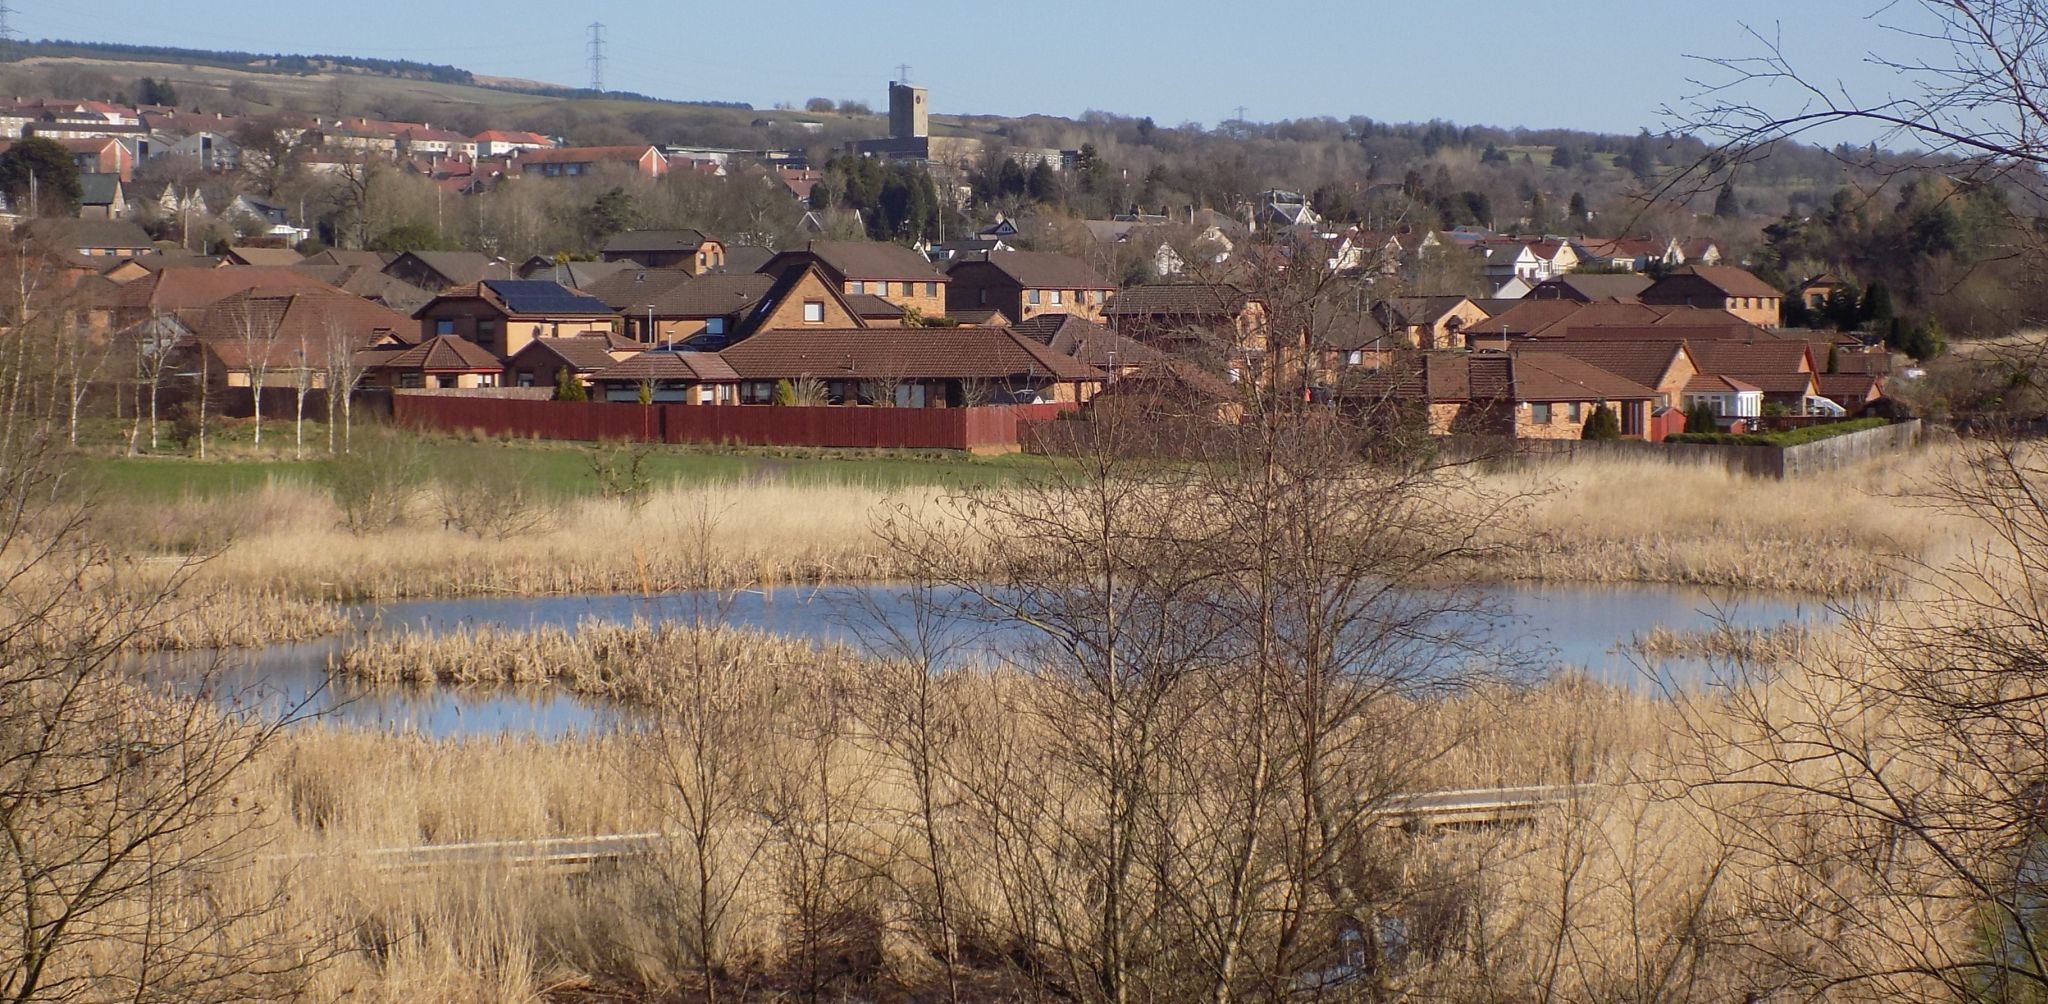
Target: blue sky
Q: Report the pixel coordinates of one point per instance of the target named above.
(1580, 64)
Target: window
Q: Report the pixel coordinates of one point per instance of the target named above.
(757, 392)
(726, 393)
(525, 379)
(411, 380)
(487, 380)
(704, 395)
(1577, 412)
(487, 333)
(852, 286)
(931, 289)
(910, 395)
(1033, 295)
(879, 288)
(814, 311)
(1055, 297)
(716, 325)
(702, 259)
(444, 327)
(1354, 358)
(1539, 414)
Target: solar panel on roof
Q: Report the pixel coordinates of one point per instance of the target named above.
(540, 296)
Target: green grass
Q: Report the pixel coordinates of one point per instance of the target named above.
(563, 469)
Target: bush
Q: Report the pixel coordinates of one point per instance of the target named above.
(496, 500)
(1602, 424)
(568, 388)
(1700, 418)
(375, 484)
(1790, 437)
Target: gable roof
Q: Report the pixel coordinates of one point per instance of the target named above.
(863, 260)
(174, 289)
(1088, 342)
(99, 189)
(1716, 383)
(270, 257)
(1593, 288)
(456, 268)
(334, 256)
(278, 325)
(72, 234)
(1037, 270)
(747, 257)
(1178, 299)
(632, 289)
(1645, 362)
(1724, 279)
(669, 241)
(1421, 310)
(583, 355)
(1557, 377)
(714, 295)
(687, 367)
(900, 353)
(868, 305)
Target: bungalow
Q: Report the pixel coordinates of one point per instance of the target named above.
(1181, 312)
(187, 292)
(911, 367)
(1024, 284)
(262, 257)
(580, 161)
(1497, 394)
(543, 360)
(90, 238)
(502, 315)
(440, 362)
(670, 378)
(1667, 367)
(893, 272)
(685, 250)
(1781, 368)
(1722, 287)
(1092, 344)
(275, 336)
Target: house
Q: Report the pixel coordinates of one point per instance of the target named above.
(1092, 344)
(498, 143)
(1721, 287)
(1571, 319)
(1346, 344)
(1511, 268)
(90, 238)
(440, 362)
(1666, 367)
(1700, 251)
(373, 260)
(100, 156)
(580, 161)
(502, 315)
(1182, 314)
(1628, 254)
(705, 312)
(1817, 291)
(271, 218)
(1429, 322)
(543, 360)
(1782, 369)
(686, 250)
(123, 271)
(371, 284)
(435, 271)
(101, 197)
(1852, 391)
(911, 367)
(424, 140)
(1593, 288)
(573, 274)
(670, 378)
(1024, 284)
(1519, 396)
(211, 150)
(893, 272)
(187, 292)
(278, 336)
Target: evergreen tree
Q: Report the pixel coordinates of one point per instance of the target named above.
(1579, 208)
(1563, 158)
(1843, 311)
(568, 388)
(56, 186)
(1043, 185)
(1726, 205)
(1641, 160)
(611, 214)
(1700, 418)
(1493, 155)
(1877, 305)
(1794, 313)
(1602, 424)
(1010, 180)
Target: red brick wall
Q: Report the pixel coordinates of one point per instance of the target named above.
(995, 428)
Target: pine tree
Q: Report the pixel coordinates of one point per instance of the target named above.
(1562, 157)
(1602, 424)
(568, 388)
(1700, 418)
(1579, 209)
(1726, 205)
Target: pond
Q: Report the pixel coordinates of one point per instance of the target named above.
(1562, 627)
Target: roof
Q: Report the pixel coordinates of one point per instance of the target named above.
(540, 297)
(689, 367)
(1558, 377)
(1037, 270)
(174, 289)
(1645, 362)
(1726, 279)
(1845, 388)
(443, 354)
(582, 354)
(637, 241)
(98, 189)
(632, 289)
(1626, 286)
(1763, 355)
(67, 233)
(278, 325)
(746, 257)
(266, 256)
(714, 295)
(1716, 383)
(588, 154)
(868, 305)
(900, 353)
(1422, 309)
(457, 267)
(1178, 299)
(866, 260)
(334, 256)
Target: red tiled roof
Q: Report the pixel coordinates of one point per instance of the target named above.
(444, 354)
(1037, 270)
(689, 367)
(900, 353)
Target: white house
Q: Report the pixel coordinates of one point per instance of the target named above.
(1728, 398)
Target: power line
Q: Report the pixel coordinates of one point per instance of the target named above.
(903, 73)
(7, 33)
(1240, 113)
(596, 56)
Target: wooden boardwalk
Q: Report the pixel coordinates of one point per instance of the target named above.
(1474, 808)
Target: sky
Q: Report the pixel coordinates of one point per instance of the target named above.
(1585, 64)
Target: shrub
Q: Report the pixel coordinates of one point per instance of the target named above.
(496, 500)
(1602, 424)
(1789, 437)
(1700, 418)
(568, 388)
(376, 483)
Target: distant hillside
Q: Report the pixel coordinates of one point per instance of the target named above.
(303, 65)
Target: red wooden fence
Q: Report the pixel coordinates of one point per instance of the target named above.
(982, 429)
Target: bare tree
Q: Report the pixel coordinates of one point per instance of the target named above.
(343, 370)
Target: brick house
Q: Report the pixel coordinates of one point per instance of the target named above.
(445, 362)
(90, 238)
(1429, 322)
(435, 271)
(1722, 287)
(913, 367)
(1519, 396)
(1666, 367)
(502, 315)
(1164, 313)
(1025, 284)
(872, 268)
(684, 250)
(542, 361)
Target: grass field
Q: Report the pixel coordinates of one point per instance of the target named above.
(563, 469)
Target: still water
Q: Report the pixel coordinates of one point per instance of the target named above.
(1561, 627)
